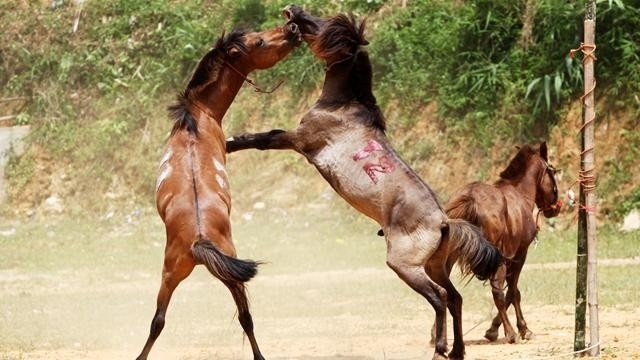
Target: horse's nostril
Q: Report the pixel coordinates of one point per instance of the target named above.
(293, 28)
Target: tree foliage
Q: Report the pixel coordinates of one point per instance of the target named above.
(104, 82)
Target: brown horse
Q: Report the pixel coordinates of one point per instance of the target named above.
(504, 211)
(192, 190)
(343, 136)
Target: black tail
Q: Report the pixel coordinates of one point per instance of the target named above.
(475, 253)
(225, 268)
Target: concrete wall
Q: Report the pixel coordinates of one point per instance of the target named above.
(10, 140)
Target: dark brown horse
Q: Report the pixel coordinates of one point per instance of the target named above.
(192, 190)
(504, 211)
(343, 136)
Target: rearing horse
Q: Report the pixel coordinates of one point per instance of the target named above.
(192, 190)
(343, 136)
(504, 211)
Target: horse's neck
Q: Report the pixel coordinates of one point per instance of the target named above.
(215, 98)
(527, 186)
(336, 83)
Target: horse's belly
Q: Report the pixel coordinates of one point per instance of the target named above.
(359, 180)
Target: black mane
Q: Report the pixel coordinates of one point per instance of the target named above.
(205, 73)
(340, 42)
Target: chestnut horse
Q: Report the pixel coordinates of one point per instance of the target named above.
(343, 136)
(192, 190)
(504, 211)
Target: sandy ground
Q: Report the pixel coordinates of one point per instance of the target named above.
(364, 313)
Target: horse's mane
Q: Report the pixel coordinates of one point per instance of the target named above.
(205, 73)
(518, 165)
(339, 41)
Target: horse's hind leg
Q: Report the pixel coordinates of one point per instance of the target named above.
(244, 316)
(407, 258)
(513, 297)
(497, 286)
(172, 274)
(436, 270)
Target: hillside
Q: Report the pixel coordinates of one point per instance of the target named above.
(461, 84)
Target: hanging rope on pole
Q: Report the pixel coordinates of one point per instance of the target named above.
(586, 270)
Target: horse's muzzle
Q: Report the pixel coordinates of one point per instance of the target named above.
(307, 23)
(290, 11)
(552, 210)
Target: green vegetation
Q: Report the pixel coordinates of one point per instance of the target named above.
(97, 95)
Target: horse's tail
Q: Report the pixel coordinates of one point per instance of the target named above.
(475, 254)
(225, 268)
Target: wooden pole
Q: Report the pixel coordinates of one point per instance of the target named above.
(589, 170)
(586, 272)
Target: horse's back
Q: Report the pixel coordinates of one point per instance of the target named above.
(482, 205)
(500, 213)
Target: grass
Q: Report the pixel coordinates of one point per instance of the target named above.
(97, 279)
(325, 236)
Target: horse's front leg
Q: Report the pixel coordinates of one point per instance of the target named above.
(275, 139)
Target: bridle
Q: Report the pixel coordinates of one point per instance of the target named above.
(251, 82)
(548, 170)
(551, 171)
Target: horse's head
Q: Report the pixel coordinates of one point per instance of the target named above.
(332, 40)
(547, 198)
(262, 50)
(530, 167)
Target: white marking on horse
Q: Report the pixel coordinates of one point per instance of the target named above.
(167, 155)
(219, 166)
(166, 168)
(166, 171)
(220, 180)
(222, 173)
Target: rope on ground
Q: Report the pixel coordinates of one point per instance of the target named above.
(561, 356)
(489, 317)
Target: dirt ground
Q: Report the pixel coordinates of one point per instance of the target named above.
(364, 313)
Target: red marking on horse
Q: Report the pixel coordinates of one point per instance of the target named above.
(383, 165)
(371, 146)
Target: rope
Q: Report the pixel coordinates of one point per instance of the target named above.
(560, 356)
(586, 177)
(480, 322)
(256, 88)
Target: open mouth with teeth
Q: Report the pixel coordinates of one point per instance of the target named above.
(308, 25)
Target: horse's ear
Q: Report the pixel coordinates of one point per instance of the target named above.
(543, 150)
(233, 52)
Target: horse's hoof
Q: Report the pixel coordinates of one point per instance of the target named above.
(453, 356)
(526, 335)
(491, 335)
(511, 338)
(437, 356)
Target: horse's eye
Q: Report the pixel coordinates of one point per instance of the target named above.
(260, 42)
